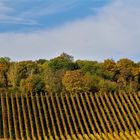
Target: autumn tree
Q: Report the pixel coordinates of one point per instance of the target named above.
(21, 70)
(109, 69)
(33, 84)
(4, 66)
(73, 82)
(124, 67)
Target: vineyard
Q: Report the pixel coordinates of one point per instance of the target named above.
(100, 116)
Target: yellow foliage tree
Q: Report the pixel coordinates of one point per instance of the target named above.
(73, 82)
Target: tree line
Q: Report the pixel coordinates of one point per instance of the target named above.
(62, 75)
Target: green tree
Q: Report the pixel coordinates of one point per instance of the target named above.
(108, 86)
(87, 66)
(64, 61)
(91, 81)
(54, 71)
(53, 81)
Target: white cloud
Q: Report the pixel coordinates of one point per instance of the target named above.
(113, 33)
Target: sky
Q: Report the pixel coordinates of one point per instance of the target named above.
(85, 29)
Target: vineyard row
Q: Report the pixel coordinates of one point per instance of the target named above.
(84, 116)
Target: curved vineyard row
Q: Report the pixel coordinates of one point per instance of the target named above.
(106, 116)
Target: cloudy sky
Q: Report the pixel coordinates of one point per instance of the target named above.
(85, 29)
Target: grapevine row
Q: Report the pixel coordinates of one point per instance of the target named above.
(84, 116)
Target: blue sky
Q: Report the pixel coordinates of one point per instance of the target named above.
(24, 15)
(86, 29)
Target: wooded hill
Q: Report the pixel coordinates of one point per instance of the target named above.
(62, 75)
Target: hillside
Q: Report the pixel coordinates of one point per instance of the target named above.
(66, 99)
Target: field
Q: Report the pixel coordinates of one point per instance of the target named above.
(100, 116)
